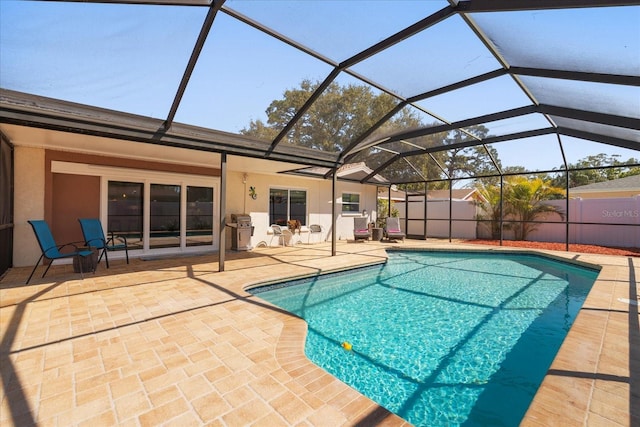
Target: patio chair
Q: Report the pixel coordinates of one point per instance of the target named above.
(94, 237)
(282, 234)
(392, 229)
(52, 251)
(361, 229)
(315, 229)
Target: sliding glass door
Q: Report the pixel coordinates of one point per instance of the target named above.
(170, 216)
(199, 216)
(164, 216)
(125, 211)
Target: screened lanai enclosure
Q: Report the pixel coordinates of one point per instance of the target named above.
(428, 95)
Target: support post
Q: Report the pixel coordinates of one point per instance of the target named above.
(501, 206)
(425, 210)
(566, 198)
(450, 208)
(333, 211)
(406, 211)
(566, 217)
(223, 207)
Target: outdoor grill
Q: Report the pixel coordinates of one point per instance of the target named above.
(241, 232)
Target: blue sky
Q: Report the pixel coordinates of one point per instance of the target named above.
(131, 57)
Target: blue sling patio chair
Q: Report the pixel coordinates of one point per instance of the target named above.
(50, 250)
(94, 237)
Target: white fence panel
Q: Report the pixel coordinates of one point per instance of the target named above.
(605, 212)
(608, 211)
(440, 227)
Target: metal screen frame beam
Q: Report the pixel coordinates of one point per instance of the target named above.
(193, 59)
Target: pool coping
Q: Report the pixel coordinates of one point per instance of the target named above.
(259, 284)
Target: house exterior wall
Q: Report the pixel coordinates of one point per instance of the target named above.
(28, 202)
(50, 182)
(319, 205)
(43, 191)
(76, 196)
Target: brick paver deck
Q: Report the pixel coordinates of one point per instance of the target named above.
(175, 342)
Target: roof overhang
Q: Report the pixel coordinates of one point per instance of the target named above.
(45, 113)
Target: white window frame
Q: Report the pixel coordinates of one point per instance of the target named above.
(289, 190)
(343, 203)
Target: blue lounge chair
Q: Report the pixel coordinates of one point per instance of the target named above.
(94, 237)
(50, 250)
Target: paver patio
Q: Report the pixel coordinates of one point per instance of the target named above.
(175, 342)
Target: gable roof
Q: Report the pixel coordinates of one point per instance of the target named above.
(456, 194)
(621, 184)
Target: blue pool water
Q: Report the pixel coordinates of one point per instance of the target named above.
(441, 338)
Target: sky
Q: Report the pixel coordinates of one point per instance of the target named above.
(131, 58)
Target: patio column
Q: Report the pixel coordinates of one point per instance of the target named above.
(333, 211)
(501, 206)
(223, 207)
(450, 208)
(566, 195)
(425, 209)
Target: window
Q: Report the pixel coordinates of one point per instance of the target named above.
(350, 203)
(287, 205)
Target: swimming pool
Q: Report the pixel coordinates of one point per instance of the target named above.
(441, 338)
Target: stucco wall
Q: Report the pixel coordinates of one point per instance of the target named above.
(30, 169)
(319, 204)
(29, 202)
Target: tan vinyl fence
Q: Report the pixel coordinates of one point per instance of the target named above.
(605, 222)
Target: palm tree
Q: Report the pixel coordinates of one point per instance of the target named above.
(490, 206)
(525, 199)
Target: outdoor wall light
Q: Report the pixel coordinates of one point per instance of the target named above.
(364, 212)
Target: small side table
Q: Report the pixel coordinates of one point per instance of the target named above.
(89, 263)
(376, 234)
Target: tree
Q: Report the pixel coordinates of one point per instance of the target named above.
(525, 202)
(468, 161)
(338, 117)
(597, 168)
(383, 211)
(490, 206)
(342, 114)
